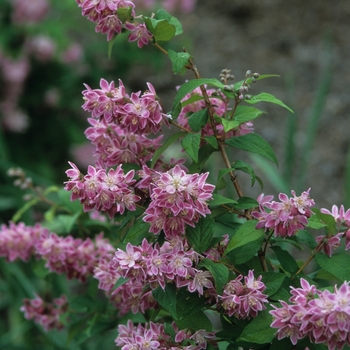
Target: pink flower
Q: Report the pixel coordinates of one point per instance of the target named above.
(324, 319)
(139, 33)
(44, 313)
(286, 217)
(127, 259)
(330, 243)
(244, 300)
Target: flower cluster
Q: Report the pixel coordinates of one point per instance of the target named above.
(138, 114)
(244, 300)
(109, 192)
(147, 266)
(116, 146)
(342, 220)
(286, 217)
(113, 17)
(220, 107)
(153, 336)
(45, 313)
(75, 257)
(177, 199)
(322, 316)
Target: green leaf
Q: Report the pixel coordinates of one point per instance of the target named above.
(327, 219)
(188, 303)
(203, 155)
(194, 98)
(287, 262)
(219, 271)
(212, 141)
(246, 203)
(124, 13)
(229, 124)
(265, 97)
(120, 282)
(253, 143)
(198, 119)
(190, 144)
(218, 199)
(338, 265)
(195, 322)
(259, 331)
(242, 166)
(159, 151)
(137, 232)
(162, 30)
(245, 234)
(315, 223)
(244, 253)
(200, 237)
(305, 237)
(221, 182)
(166, 298)
(244, 114)
(189, 87)
(65, 200)
(162, 14)
(273, 281)
(39, 269)
(178, 60)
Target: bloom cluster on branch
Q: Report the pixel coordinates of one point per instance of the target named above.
(47, 314)
(321, 315)
(75, 257)
(286, 217)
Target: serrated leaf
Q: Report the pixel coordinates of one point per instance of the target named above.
(219, 272)
(159, 151)
(190, 144)
(219, 199)
(286, 260)
(189, 87)
(201, 235)
(245, 234)
(265, 97)
(338, 265)
(166, 298)
(253, 143)
(259, 331)
(198, 119)
(178, 60)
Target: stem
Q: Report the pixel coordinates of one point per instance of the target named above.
(160, 48)
(219, 140)
(317, 249)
